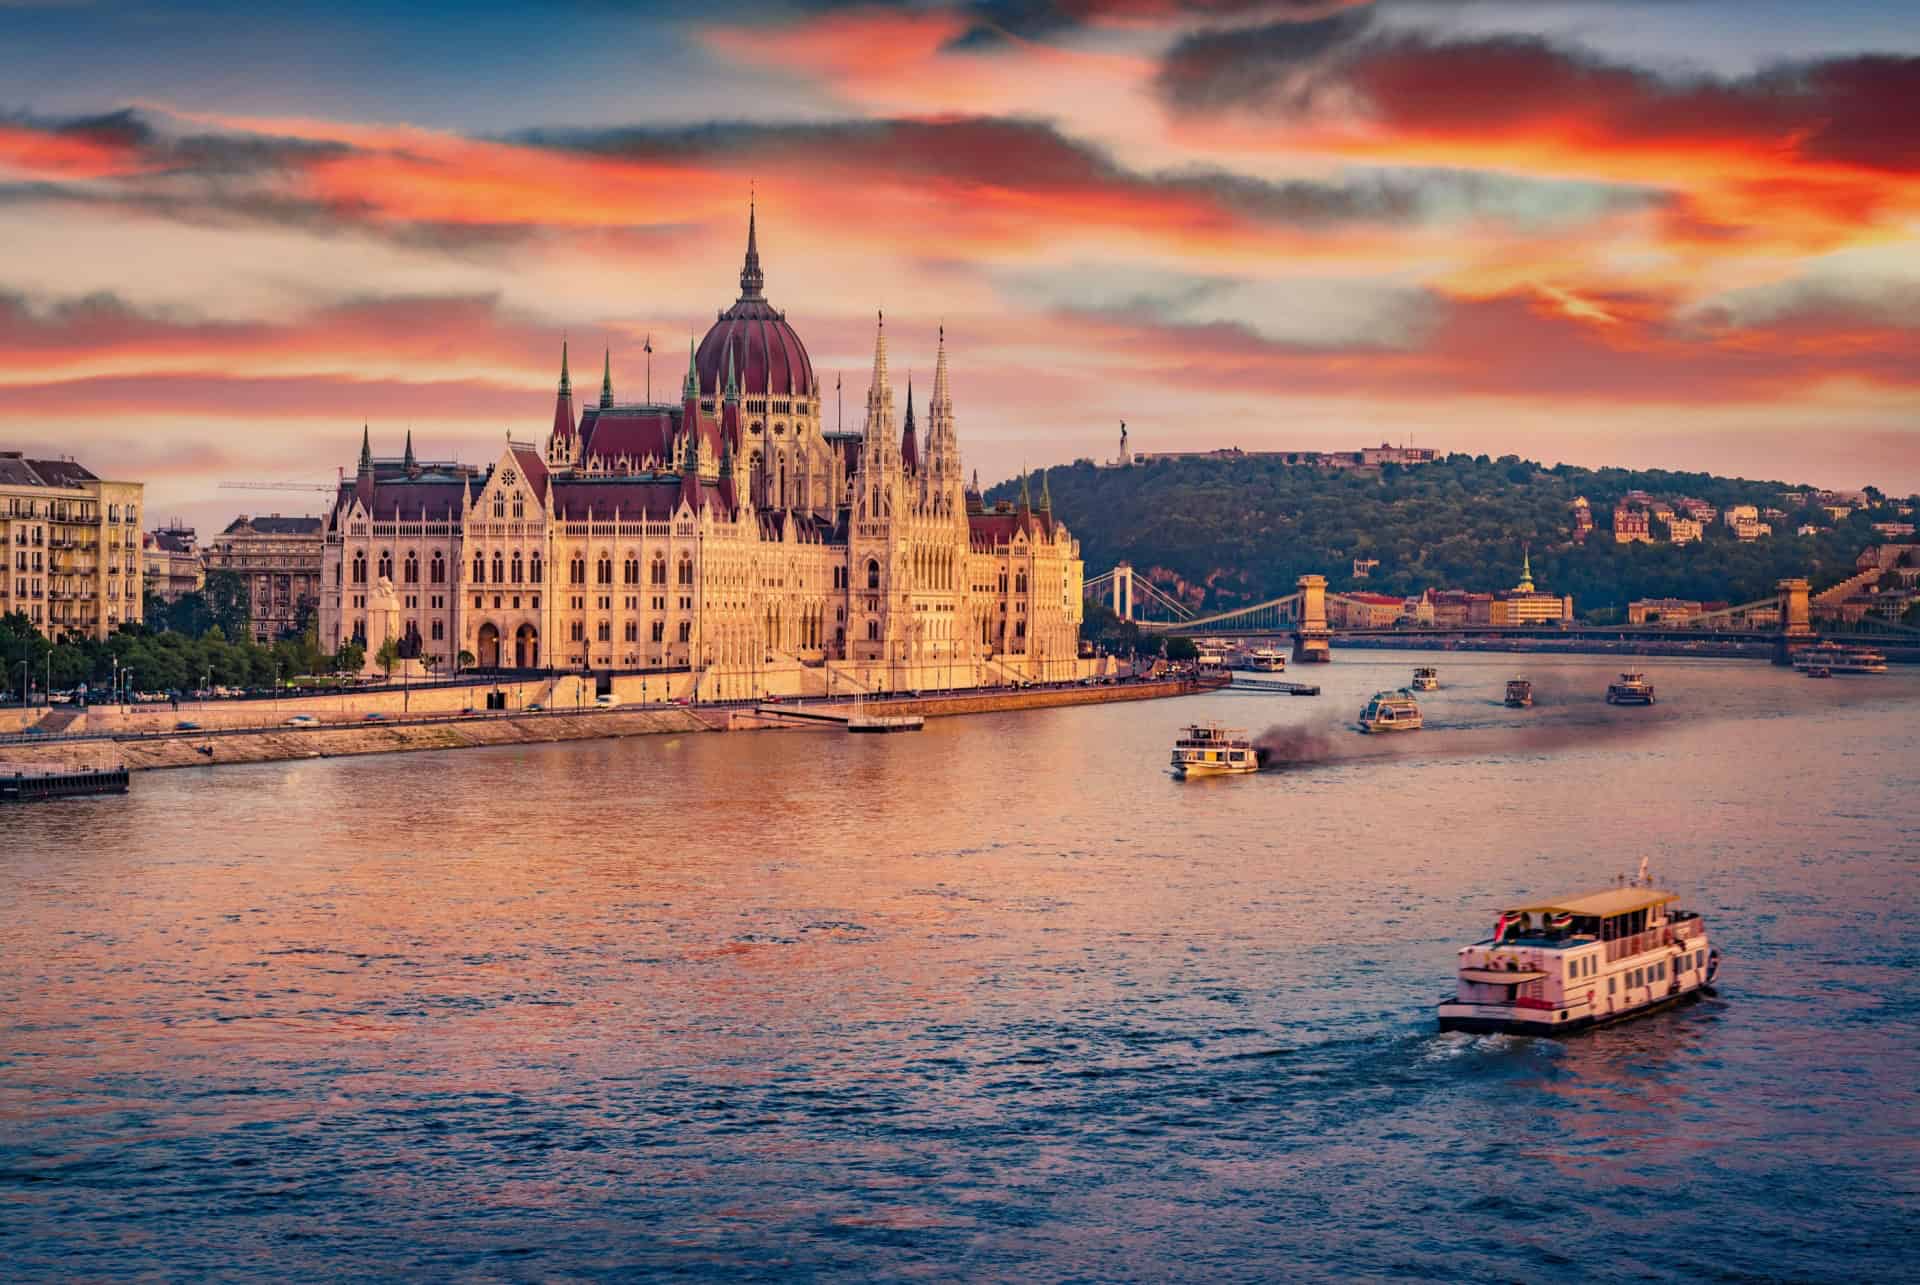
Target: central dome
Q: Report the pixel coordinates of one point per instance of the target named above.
(768, 356)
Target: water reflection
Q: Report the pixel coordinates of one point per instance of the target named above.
(997, 998)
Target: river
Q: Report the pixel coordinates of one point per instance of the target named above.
(1000, 1000)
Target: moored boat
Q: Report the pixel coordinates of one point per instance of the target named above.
(1264, 660)
(1817, 671)
(1519, 693)
(1838, 659)
(1632, 689)
(1391, 712)
(1208, 749)
(1426, 679)
(1560, 966)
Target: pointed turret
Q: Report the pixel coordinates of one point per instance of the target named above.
(1046, 494)
(406, 461)
(606, 381)
(880, 452)
(753, 282)
(733, 383)
(909, 437)
(1026, 496)
(1526, 571)
(690, 386)
(560, 440)
(366, 451)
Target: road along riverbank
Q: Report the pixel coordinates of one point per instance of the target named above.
(205, 747)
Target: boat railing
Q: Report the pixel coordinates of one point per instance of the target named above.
(1652, 939)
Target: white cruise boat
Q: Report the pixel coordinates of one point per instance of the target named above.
(1391, 712)
(1836, 659)
(1426, 679)
(1632, 689)
(1519, 693)
(1555, 967)
(1212, 656)
(1208, 749)
(1264, 660)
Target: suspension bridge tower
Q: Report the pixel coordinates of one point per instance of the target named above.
(1123, 591)
(1796, 620)
(1310, 637)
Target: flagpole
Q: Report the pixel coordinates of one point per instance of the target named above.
(649, 348)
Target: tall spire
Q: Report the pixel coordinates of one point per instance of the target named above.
(1026, 496)
(1046, 493)
(566, 381)
(1526, 570)
(690, 386)
(407, 460)
(606, 381)
(733, 383)
(910, 436)
(881, 447)
(366, 450)
(753, 282)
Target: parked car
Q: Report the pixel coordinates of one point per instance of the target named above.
(607, 701)
(536, 708)
(186, 726)
(301, 720)
(375, 717)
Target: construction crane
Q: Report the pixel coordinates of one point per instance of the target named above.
(279, 486)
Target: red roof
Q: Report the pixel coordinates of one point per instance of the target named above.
(767, 355)
(654, 498)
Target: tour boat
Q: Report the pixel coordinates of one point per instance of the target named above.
(1817, 671)
(1555, 967)
(1426, 679)
(1391, 712)
(1208, 749)
(1837, 659)
(1632, 689)
(1519, 693)
(1212, 656)
(1265, 660)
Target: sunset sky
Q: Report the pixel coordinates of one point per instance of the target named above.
(1660, 233)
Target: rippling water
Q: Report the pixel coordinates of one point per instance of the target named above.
(999, 1000)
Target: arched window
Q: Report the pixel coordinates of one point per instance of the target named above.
(630, 571)
(499, 567)
(603, 570)
(606, 632)
(519, 507)
(686, 569)
(873, 574)
(386, 564)
(437, 569)
(499, 506)
(577, 571)
(873, 631)
(479, 569)
(518, 567)
(412, 568)
(360, 568)
(533, 571)
(659, 575)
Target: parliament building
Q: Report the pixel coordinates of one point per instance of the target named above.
(730, 533)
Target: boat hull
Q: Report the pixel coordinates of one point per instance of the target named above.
(1506, 1019)
(1399, 725)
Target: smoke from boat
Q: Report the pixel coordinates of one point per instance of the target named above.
(1303, 745)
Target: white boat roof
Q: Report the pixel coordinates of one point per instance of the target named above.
(1609, 901)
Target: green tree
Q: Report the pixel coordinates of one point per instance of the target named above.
(1182, 649)
(387, 657)
(227, 603)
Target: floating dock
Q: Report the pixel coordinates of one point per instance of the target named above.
(1274, 687)
(20, 786)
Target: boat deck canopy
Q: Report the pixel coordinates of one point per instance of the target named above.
(1601, 905)
(1501, 976)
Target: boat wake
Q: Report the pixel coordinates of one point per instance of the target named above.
(1305, 745)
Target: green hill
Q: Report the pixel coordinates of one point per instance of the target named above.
(1228, 532)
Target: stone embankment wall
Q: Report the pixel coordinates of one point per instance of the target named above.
(1036, 698)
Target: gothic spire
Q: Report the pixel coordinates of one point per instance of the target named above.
(753, 282)
(1526, 570)
(407, 460)
(566, 381)
(1026, 496)
(910, 436)
(690, 387)
(1046, 493)
(733, 382)
(606, 381)
(366, 451)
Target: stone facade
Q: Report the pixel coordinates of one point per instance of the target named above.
(279, 561)
(171, 558)
(727, 533)
(71, 543)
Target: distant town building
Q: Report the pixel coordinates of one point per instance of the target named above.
(170, 557)
(71, 544)
(1698, 510)
(1735, 513)
(1838, 512)
(1631, 525)
(1364, 567)
(279, 561)
(1684, 530)
(1894, 530)
(1582, 518)
(1526, 605)
(1669, 611)
(1364, 610)
(1808, 528)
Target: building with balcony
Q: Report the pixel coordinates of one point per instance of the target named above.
(1631, 526)
(1684, 530)
(72, 547)
(278, 559)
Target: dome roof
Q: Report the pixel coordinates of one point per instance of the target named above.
(767, 354)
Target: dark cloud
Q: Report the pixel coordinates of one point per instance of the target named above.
(1862, 110)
